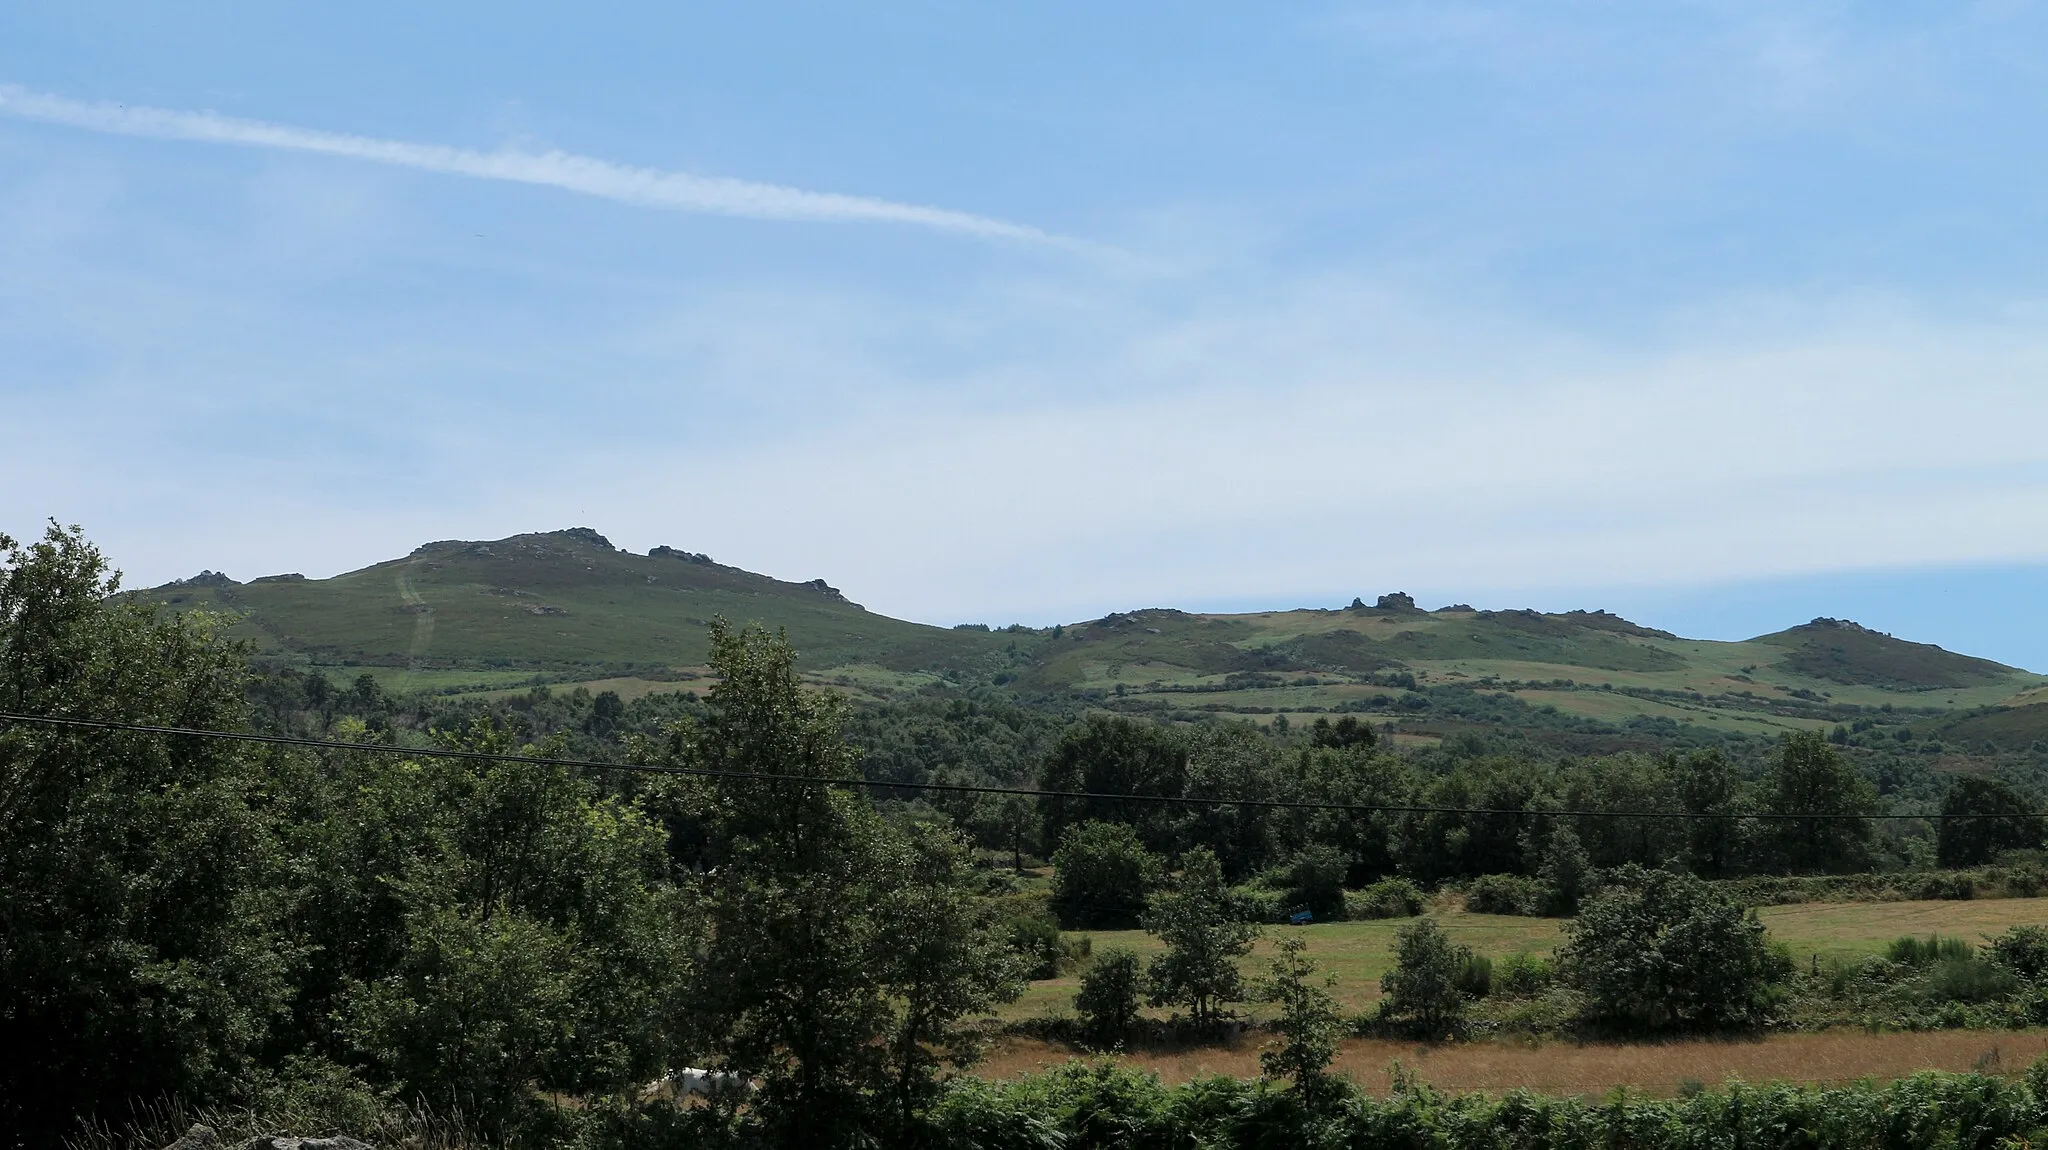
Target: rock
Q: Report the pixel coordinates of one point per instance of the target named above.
(198, 1138)
(1398, 601)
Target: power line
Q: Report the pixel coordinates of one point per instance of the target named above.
(951, 788)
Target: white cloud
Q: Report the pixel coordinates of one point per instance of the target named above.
(642, 187)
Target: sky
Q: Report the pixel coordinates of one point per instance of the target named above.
(1721, 315)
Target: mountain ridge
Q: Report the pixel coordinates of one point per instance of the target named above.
(568, 605)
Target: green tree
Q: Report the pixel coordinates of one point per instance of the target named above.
(542, 942)
(1108, 999)
(1309, 1023)
(1204, 939)
(1422, 988)
(944, 963)
(1566, 872)
(1706, 786)
(809, 980)
(140, 954)
(1315, 879)
(1665, 951)
(1102, 876)
(1981, 817)
(1809, 776)
(1113, 755)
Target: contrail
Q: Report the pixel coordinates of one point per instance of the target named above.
(644, 187)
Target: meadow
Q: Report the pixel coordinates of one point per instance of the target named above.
(1358, 953)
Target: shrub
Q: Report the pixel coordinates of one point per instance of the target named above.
(1668, 952)
(1036, 939)
(2022, 950)
(1910, 951)
(1953, 887)
(1504, 894)
(1101, 877)
(1388, 898)
(1422, 989)
(1108, 1001)
(1969, 980)
(1475, 976)
(1523, 974)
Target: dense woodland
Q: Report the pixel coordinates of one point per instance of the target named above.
(351, 931)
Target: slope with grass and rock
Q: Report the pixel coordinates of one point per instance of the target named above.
(567, 606)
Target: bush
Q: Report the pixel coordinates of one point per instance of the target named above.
(1108, 1001)
(1666, 952)
(1910, 951)
(1504, 894)
(1036, 939)
(1969, 980)
(1475, 976)
(1388, 898)
(1101, 877)
(1422, 989)
(2022, 950)
(1523, 974)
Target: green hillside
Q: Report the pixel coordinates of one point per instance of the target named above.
(564, 604)
(567, 606)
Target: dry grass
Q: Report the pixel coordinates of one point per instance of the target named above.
(1563, 1068)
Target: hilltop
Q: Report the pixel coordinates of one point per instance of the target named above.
(567, 606)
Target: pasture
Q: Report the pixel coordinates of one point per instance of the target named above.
(1358, 953)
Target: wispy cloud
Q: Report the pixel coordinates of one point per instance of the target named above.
(642, 187)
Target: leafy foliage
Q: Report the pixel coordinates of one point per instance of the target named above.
(1203, 941)
(1422, 988)
(1665, 951)
(1308, 1024)
(140, 954)
(1102, 876)
(1108, 999)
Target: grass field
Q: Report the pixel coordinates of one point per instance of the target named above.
(1358, 953)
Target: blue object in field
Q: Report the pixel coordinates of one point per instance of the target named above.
(1300, 918)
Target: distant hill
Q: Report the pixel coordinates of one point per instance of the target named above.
(568, 606)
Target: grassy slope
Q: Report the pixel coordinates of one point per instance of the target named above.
(566, 602)
(568, 605)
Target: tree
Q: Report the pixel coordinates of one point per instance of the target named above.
(1108, 999)
(1204, 939)
(2005, 820)
(943, 964)
(810, 980)
(1665, 951)
(1110, 754)
(534, 938)
(1810, 776)
(1315, 879)
(1102, 876)
(1309, 1023)
(140, 950)
(1422, 989)
(1566, 872)
(1706, 786)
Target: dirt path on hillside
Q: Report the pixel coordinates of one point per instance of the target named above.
(1563, 1068)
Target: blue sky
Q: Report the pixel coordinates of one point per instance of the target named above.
(1723, 315)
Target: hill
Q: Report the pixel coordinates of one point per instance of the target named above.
(568, 606)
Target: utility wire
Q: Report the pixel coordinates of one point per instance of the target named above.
(952, 788)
